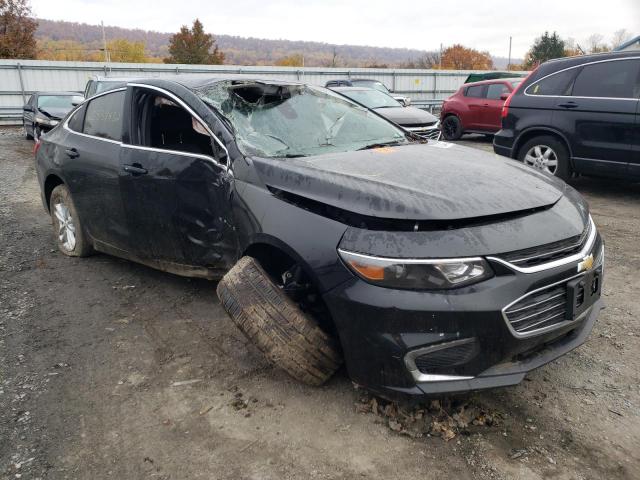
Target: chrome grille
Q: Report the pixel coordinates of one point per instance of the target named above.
(429, 133)
(544, 308)
(532, 257)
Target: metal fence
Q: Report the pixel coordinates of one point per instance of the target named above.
(20, 78)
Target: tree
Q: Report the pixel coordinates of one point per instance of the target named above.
(122, 50)
(619, 37)
(295, 60)
(17, 30)
(428, 61)
(194, 46)
(458, 57)
(595, 44)
(544, 48)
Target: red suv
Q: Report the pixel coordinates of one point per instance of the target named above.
(476, 107)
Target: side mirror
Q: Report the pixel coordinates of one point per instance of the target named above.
(403, 102)
(28, 108)
(504, 96)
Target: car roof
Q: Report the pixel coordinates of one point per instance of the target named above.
(53, 94)
(495, 80)
(595, 57)
(196, 81)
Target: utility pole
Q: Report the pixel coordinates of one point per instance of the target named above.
(104, 43)
(509, 62)
(440, 63)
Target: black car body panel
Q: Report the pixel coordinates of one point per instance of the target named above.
(375, 183)
(195, 214)
(601, 130)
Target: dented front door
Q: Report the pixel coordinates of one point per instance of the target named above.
(178, 208)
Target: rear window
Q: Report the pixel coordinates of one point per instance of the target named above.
(495, 90)
(103, 116)
(476, 91)
(557, 84)
(617, 79)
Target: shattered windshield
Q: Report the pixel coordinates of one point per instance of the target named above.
(280, 120)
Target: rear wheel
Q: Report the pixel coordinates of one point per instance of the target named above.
(67, 228)
(451, 128)
(288, 337)
(548, 154)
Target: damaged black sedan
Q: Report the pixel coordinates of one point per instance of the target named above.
(336, 236)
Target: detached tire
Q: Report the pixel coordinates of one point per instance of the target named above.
(289, 338)
(451, 128)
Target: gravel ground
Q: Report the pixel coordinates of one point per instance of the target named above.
(112, 370)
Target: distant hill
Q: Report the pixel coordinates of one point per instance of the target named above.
(240, 50)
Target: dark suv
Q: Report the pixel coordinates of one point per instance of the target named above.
(576, 115)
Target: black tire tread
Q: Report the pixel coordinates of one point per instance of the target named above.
(286, 336)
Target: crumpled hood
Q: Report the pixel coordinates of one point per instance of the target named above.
(434, 181)
(55, 113)
(407, 116)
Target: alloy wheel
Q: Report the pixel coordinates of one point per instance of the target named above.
(543, 158)
(66, 227)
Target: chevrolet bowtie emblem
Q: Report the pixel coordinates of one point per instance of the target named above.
(586, 264)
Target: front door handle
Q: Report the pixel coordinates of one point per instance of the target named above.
(568, 105)
(72, 153)
(135, 169)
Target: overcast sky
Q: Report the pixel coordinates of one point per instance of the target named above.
(481, 24)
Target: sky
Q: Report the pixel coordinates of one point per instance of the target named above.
(424, 25)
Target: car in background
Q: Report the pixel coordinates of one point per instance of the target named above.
(44, 110)
(368, 83)
(413, 119)
(577, 115)
(479, 77)
(99, 84)
(476, 108)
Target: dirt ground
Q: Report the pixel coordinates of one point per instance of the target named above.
(112, 370)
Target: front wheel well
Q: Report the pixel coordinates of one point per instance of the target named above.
(529, 134)
(50, 183)
(296, 279)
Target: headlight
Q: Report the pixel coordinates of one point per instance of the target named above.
(431, 274)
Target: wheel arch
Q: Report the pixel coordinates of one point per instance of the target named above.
(533, 132)
(272, 252)
(51, 182)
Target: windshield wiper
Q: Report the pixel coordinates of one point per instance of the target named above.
(292, 155)
(382, 144)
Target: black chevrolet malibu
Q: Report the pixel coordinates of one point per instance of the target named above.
(426, 267)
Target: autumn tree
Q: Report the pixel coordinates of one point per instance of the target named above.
(122, 50)
(194, 46)
(295, 60)
(458, 57)
(544, 48)
(17, 30)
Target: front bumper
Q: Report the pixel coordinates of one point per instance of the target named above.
(381, 329)
(503, 142)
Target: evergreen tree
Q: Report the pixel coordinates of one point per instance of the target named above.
(193, 46)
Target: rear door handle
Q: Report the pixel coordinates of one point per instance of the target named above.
(568, 105)
(72, 153)
(134, 169)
